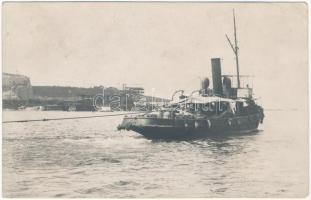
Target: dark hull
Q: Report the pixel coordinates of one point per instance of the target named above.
(159, 128)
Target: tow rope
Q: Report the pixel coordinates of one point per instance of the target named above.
(67, 118)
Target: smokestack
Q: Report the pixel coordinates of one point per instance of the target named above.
(216, 73)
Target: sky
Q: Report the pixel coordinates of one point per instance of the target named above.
(162, 47)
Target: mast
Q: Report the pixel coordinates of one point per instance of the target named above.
(235, 49)
(103, 96)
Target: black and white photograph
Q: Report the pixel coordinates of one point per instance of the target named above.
(139, 99)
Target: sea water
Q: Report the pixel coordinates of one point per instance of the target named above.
(90, 158)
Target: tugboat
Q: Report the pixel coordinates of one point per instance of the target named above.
(205, 112)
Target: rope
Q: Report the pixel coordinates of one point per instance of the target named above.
(66, 118)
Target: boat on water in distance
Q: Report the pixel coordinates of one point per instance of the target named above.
(222, 110)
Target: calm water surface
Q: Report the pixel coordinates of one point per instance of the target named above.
(90, 158)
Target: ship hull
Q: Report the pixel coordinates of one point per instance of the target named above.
(159, 128)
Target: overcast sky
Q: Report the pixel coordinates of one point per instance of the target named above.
(165, 46)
